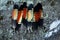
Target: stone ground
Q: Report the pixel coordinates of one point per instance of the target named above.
(6, 31)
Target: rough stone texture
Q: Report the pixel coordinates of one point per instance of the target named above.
(5, 24)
